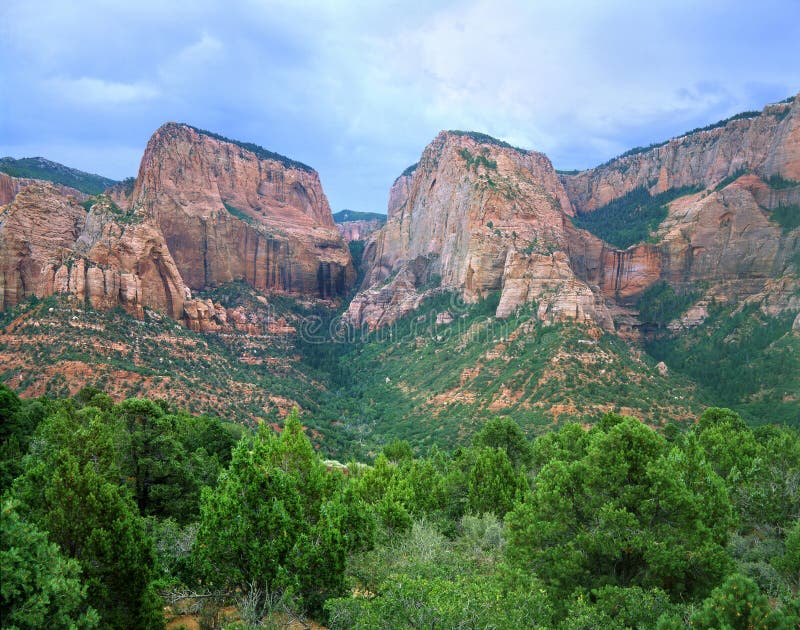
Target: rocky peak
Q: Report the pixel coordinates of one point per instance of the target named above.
(472, 206)
(232, 210)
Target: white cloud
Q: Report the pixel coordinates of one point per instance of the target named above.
(99, 92)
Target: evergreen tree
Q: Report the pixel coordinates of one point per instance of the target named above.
(39, 586)
(493, 484)
(275, 522)
(628, 513)
(67, 490)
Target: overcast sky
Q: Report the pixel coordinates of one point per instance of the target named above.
(357, 89)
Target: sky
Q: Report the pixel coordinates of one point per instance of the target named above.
(358, 89)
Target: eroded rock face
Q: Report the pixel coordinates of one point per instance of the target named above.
(38, 225)
(767, 144)
(358, 230)
(50, 244)
(549, 280)
(203, 211)
(228, 214)
(470, 202)
(399, 192)
(723, 240)
(483, 217)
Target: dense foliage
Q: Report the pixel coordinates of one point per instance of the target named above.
(630, 219)
(659, 304)
(39, 168)
(614, 526)
(746, 359)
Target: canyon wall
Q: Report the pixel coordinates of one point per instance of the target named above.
(231, 212)
(473, 212)
(766, 144)
(477, 215)
(203, 211)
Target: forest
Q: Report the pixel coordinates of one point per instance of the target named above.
(131, 514)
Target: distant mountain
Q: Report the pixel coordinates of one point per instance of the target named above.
(345, 216)
(40, 168)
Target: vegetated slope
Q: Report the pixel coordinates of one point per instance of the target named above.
(345, 216)
(437, 374)
(40, 168)
(56, 346)
(749, 361)
(632, 218)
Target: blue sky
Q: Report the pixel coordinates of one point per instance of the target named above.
(357, 89)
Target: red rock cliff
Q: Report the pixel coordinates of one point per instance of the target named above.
(766, 144)
(229, 213)
(474, 213)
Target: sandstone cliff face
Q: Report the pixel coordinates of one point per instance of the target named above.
(767, 144)
(121, 193)
(722, 240)
(50, 244)
(549, 280)
(203, 211)
(475, 216)
(39, 224)
(400, 190)
(227, 214)
(358, 230)
(481, 217)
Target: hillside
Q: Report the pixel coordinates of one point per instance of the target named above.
(40, 168)
(252, 370)
(436, 375)
(345, 216)
(492, 288)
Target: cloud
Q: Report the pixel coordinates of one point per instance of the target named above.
(357, 89)
(92, 91)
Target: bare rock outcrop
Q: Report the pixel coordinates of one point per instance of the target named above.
(766, 144)
(10, 187)
(230, 211)
(358, 230)
(469, 203)
(50, 244)
(400, 191)
(549, 280)
(38, 225)
(203, 211)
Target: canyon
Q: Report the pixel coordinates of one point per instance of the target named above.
(476, 215)
(480, 250)
(203, 211)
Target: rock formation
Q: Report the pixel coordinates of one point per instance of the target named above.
(400, 190)
(230, 211)
(50, 244)
(476, 215)
(10, 187)
(358, 230)
(766, 144)
(203, 211)
(38, 225)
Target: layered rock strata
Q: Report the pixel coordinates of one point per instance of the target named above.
(228, 213)
(766, 144)
(203, 211)
(475, 216)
